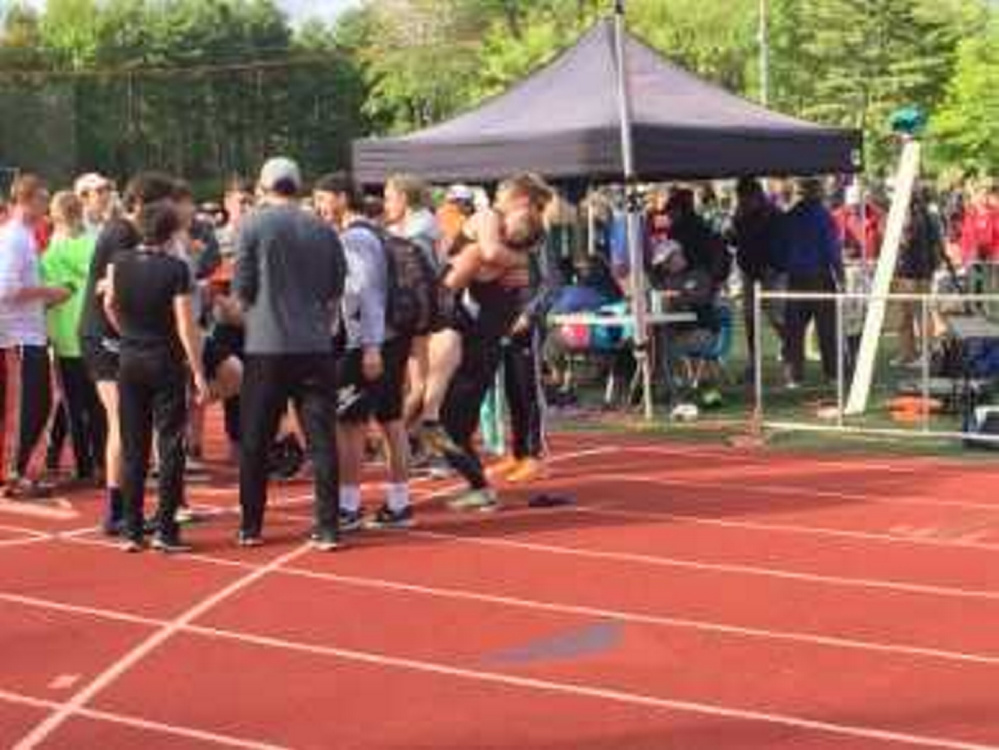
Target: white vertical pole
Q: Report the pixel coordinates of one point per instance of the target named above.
(635, 251)
(905, 183)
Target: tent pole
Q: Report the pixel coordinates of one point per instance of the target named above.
(636, 255)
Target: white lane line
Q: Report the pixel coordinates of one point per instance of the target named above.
(801, 460)
(23, 530)
(647, 619)
(599, 693)
(570, 688)
(897, 535)
(43, 730)
(682, 623)
(6, 543)
(683, 564)
(762, 488)
(137, 723)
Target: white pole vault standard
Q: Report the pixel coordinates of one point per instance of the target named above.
(636, 256)
(905, 183)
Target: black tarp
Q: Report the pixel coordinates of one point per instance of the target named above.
(563, 122)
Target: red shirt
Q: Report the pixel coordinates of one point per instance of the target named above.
(43, 233)
(860, 238)
(980, 234)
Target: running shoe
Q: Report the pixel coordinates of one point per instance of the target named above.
(27, 490)
(351, 520)
(386, 518)
(249, 539)
(503, 467)
(527, 471)
(169, 544)
(325, 541)
(132, 546)
(484, 500)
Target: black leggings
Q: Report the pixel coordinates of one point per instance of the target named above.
(524, 394)
(33, 394)
(152, 388)
(81, 416)
(480, 360)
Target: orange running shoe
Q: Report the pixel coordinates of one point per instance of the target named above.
(529, 470)
(506, 465)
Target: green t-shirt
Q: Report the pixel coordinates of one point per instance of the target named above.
(67, 263)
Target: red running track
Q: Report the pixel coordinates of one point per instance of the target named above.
(695, 597)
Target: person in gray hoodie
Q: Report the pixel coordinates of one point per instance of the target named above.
(289, 277)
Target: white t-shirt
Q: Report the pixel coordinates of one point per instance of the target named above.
(21, 323)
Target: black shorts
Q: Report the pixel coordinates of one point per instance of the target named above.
(101, 359)
(224, 342)
(358, 400)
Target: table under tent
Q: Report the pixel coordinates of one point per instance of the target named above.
(582, 117)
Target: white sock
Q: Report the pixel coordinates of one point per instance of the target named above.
(397, 497)
(350, 498)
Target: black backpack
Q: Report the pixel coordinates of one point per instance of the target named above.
(412, 289)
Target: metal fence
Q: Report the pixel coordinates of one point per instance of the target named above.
(948, 322)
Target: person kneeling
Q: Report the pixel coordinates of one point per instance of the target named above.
(149, 301)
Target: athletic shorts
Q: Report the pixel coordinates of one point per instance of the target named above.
(358, 399)
(101, 359)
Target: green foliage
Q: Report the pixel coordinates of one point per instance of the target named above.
(966, 127)
(207, 87)
(203, 88)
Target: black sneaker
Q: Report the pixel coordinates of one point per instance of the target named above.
(169, 544)
(325, 541)
(351, 520)
(386, 518)
(249, 539)
(113, 528)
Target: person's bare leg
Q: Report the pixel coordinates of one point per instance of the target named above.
(350, 456)
(397, 512)
(228, 379)
(107, 392)
(397, 450)
(445, 358)
(416, 369)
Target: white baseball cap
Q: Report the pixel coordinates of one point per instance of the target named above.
(280, 169)
(460, 194)
(89, 182)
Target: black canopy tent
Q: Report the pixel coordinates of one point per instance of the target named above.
(564, 122)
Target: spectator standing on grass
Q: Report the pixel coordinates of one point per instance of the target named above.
(99, 340)
(371, 360)
(920, 256)
(756, 234)
(149, 301)
(289, 278)
(814, 265)
(23, 337)
(66, 265)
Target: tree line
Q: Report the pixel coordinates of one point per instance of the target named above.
(206, 87)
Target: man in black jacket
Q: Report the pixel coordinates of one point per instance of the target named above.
(756, 230)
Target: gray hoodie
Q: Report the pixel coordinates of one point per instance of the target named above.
(289, 276)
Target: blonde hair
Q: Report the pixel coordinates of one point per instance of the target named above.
(528, 185)
(67, 210)
(417, 191)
